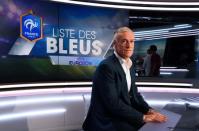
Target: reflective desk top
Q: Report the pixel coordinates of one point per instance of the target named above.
(188, 108)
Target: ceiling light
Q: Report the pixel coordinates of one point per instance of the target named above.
(130, 6)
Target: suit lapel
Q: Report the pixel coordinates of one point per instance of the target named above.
(133, 89)
(124, 87)
(119, 66)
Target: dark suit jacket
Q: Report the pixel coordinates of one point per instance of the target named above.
(112, 107)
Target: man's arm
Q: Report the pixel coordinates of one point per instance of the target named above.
(150, 115)
(135, 97)
(138, 101)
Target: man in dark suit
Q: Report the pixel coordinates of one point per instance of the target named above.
(116, 104)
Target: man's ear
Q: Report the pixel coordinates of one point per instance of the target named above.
(113, 43)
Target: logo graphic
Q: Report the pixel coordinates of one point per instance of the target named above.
(31, 27)
(30, 24)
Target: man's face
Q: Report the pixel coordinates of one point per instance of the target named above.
(124, 44)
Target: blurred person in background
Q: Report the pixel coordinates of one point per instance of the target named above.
(155, 61)
(147, 63)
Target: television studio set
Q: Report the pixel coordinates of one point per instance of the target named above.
(50, 49)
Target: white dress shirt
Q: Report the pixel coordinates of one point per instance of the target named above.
(126, 65)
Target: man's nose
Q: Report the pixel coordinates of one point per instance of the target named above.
(128, 44)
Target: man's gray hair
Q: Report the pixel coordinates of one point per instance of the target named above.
(123, 29)
(120, 30)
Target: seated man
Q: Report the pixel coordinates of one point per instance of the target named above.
(116, 104)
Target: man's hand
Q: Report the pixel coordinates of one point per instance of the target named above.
(154, 116)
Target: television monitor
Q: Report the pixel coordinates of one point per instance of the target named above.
(176, 36)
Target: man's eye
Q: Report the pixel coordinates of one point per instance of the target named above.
(124, 41)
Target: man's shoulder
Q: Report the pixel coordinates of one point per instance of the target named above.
(106, 64)
(108, 60)
(155, 55)
(147, 57)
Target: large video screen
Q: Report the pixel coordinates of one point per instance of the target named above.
(42, 41)
(176, 38)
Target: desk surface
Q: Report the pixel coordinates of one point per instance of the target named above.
(188, 120)
(190, 117)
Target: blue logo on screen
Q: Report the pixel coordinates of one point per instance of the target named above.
(31, 27)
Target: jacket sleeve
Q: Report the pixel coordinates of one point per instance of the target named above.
(138, 102)
(136, 98)
(108, 92)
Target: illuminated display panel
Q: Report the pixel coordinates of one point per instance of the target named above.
(75, 39)
(176, 36)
